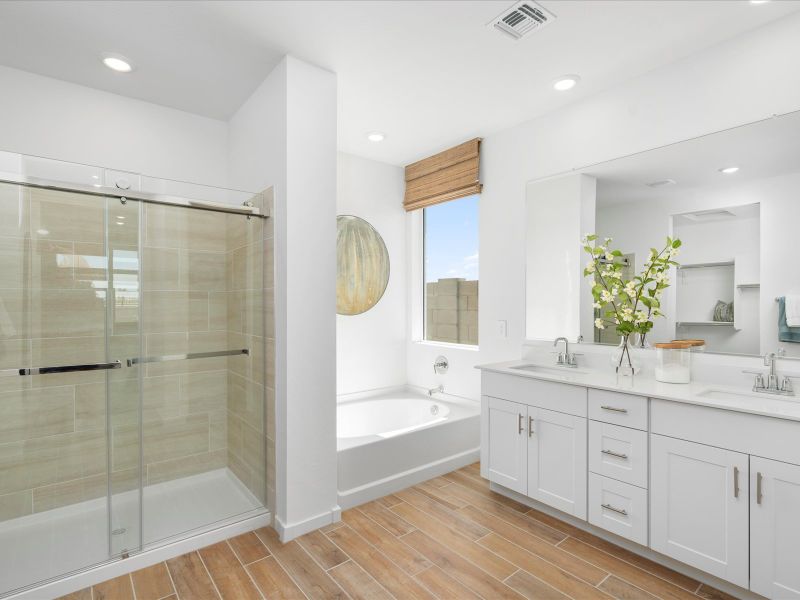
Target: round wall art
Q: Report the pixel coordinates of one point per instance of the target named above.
(362, 266)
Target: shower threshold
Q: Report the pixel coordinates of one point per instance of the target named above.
(42, 546)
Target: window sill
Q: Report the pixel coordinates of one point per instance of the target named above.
(449, 345)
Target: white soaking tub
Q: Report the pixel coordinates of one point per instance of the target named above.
(393, 439)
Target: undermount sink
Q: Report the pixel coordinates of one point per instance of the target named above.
(548, 370)
(744, 396)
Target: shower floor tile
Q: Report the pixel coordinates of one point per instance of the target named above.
(39, 547)
(449, 537)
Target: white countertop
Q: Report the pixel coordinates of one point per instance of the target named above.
(741, 400)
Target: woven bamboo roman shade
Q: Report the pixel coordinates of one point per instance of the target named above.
(445, 176)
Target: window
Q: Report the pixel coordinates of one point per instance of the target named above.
(450, 250)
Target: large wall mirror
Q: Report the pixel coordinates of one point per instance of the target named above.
(733, 198)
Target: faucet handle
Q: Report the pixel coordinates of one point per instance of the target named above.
(758, 384)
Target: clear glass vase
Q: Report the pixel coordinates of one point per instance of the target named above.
(623, 358)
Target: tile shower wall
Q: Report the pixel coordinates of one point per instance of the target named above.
(251, 325)
(202, 290)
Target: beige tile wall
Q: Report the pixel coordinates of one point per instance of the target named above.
(203, 290)
(251, 378)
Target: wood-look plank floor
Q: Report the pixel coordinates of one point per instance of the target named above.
(449, 538)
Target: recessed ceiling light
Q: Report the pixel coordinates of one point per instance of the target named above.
(567, 82)
(375, 136)
(117, 63)
(729, 170)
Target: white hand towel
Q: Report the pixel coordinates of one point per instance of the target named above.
(792, 306)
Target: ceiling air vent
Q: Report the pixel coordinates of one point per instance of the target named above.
(521, 19)
(710, 215)
(661, 183)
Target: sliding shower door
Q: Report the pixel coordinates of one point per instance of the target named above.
(133, 353)
(203, 432)
(69, 410)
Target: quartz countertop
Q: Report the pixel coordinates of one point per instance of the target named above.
(726, 397)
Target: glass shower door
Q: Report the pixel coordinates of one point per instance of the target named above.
(69, 409)
(203, 428)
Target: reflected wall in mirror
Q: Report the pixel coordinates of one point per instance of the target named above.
(738, 228)
(362, 266)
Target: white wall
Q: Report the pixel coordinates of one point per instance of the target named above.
(736, 82)
(285, 135)
(559, 211)
(41, 116)
(371, 347)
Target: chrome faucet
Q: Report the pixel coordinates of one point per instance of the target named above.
(439, 389)
(565, 358)
(771, 386)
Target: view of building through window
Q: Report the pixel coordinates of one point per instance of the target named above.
(451, 271)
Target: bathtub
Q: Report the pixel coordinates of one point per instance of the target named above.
(392, 439)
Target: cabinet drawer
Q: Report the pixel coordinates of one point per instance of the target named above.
(618, 452)
(560, 397)
(619, 409)
(618, 507)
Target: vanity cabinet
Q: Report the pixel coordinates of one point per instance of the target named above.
(508, 445)
(699, 506)
(533, 449)
(774, 528)
(557, 460)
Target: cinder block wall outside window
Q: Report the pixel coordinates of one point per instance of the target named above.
(451, 307)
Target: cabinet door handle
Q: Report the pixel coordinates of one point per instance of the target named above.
(615, 454)
(519, 423)
(530, 426)
(759, 491)
(615, 409)
(620, 511)
(735, 482)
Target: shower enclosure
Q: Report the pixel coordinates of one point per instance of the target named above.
(135, 362)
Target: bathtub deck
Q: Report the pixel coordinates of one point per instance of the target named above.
(450, 537)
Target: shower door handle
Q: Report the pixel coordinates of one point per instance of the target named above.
(190, 356)
(62, 369)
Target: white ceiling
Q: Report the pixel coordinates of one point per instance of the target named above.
(766, 149)
(427, 73)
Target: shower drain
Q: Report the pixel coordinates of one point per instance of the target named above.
(435, 409)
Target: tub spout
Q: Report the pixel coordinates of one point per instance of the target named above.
(439, 389)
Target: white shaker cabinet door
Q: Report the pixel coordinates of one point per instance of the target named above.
(774, 528)
(557, 469)
(699, 506)
(507, 443)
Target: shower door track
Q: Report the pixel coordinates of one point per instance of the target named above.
(147, 197)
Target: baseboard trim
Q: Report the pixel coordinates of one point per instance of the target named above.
(382, 487)
(289, 531)
(146, 558)
(644, 551)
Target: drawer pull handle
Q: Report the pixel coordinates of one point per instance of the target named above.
(735, 482)
(615, 454)
(530, 426)
(520, 424)
(620, 511)
(615, 409)
(759, 491)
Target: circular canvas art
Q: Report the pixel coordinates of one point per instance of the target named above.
(362, 266)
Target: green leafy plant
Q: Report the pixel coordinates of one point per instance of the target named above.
(632, 305)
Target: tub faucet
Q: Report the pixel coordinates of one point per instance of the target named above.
(433, 391)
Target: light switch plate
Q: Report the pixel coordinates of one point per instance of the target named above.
(502, 329)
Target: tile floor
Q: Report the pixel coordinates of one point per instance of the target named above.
(449, 538)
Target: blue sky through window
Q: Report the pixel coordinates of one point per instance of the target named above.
(451, 239)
